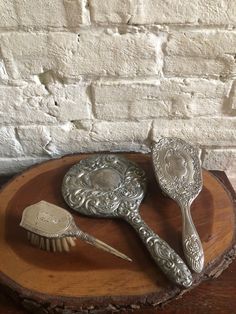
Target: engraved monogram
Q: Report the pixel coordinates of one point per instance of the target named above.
(46, 217)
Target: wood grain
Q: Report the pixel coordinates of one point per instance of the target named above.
(88, 276)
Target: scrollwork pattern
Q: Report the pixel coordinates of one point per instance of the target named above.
(179, 188)
(166, 258)
(123, 200)
(193, 251)
(79, 194)
(178, 170)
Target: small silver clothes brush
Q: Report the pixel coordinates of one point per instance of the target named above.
(53, 228)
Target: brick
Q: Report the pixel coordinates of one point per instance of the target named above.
(218, 159)
(208, 12)
(114, 54)
(199, 87)
(204, 107)
(98, 53)
(9, 166)
(189, 106)
(111, 11)
(201, 43)
(112, 113)
(133, 111)
(143, 90)
(129, 100)
(62, 101)
(10, 95)
(29, 54)
(43, 14)
(69, 110)
(117, 132)
(9, 143)
(123, 91)
(72, 101)
(152, 109)
(199, 67)
(215, 131)
(8, 14)
(116, 100)
(15, 108)
(67, 139)
(34, 139)
(64, 139)
(52, 140)
(33, 104)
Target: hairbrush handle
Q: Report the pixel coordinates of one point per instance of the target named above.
(192, 245)
(164, 256)
(78, 233)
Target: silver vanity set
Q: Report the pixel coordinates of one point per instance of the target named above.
(111, 186)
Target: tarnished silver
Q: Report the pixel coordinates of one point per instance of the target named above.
(53, 228)
(111, 186)
(178, 171)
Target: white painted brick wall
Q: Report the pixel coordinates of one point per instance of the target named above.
(43, 14)
(91, 75)
(206, 12)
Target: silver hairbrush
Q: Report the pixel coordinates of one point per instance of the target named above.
(53, 228)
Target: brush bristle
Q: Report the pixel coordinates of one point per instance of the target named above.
(54, 245)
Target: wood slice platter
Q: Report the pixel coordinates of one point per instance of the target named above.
(90, 280)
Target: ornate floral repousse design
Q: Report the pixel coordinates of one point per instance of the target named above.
(178, 172)
(178, 169)
(166, 258)
(99, 184)
(193, 249)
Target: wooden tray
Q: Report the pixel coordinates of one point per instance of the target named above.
(88, 279)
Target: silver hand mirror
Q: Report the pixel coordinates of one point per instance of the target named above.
(112, 186)
(178, 172)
